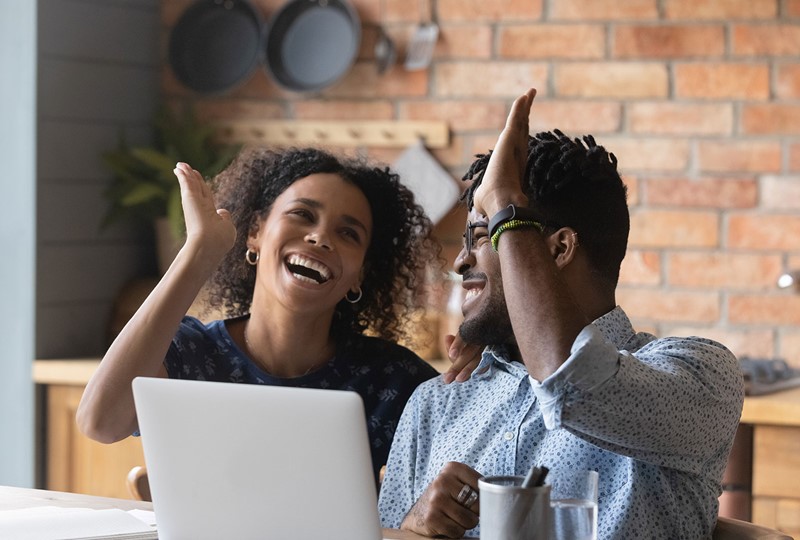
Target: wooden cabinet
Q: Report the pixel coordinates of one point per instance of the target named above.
(776, 478)
(776, 459)
(74, 462)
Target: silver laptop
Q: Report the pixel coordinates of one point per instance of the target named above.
(243, 461)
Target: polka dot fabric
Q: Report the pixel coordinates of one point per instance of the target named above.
(655, 418)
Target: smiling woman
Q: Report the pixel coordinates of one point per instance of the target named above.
(307, 254)
(313, 240)
(259, 181)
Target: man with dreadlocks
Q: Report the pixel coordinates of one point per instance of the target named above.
(564, 381)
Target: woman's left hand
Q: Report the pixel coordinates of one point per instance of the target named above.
(205, 224)
(464, 357)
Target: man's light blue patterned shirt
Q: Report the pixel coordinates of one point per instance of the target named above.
(655, 418)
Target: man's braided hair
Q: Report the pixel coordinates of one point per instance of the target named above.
(573, 183)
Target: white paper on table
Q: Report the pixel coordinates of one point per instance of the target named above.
(147, 516)
(57, 523)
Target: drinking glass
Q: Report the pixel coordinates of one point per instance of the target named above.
(574, 504)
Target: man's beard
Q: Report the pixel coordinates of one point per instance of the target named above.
(491, 325)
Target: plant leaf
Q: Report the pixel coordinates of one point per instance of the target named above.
(154, 158)
(226, 155)
(141, 193)
(144, 185)
(175, 213)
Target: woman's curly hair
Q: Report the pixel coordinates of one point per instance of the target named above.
(395, 261)
(574, 183)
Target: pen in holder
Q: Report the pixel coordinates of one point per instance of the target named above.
(510, 511)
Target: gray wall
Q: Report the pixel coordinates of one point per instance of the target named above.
(17, 240)
(96, 62)
(98, 74)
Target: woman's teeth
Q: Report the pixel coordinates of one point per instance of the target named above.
(308, 270)
(301, 277)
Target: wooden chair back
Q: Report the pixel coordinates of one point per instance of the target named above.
(138, 485)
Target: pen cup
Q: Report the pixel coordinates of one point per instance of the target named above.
(511, 512)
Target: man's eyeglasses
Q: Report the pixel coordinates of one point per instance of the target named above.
(469, 234)
(470, 239)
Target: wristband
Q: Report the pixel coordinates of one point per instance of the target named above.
(520, 213)
(513, 224)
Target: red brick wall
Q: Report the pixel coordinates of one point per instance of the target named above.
(700, 100)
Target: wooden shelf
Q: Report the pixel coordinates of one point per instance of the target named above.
(390, 133)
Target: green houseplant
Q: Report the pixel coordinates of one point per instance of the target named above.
(144, 186)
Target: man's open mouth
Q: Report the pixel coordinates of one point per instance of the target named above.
(307, 269)
(472, 292)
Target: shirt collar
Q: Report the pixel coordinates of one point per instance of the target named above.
(497, 357)
(615, 326)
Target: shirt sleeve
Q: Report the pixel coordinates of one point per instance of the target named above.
(678, 397)
(397, 489)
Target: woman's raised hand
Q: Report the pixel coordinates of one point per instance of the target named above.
(206, 226)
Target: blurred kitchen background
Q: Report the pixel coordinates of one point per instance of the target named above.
(699, 100)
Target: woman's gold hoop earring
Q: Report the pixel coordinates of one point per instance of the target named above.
(251, 257)
(354, 300)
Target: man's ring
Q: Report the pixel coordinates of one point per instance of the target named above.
(467, 496)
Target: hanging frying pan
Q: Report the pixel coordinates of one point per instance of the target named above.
(216, 44)
(312, 43)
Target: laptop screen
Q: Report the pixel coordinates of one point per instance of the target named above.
(229, 460)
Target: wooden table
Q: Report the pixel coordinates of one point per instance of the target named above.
(778, 409)
(14, 498)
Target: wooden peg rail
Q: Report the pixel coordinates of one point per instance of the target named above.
(370, 133)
